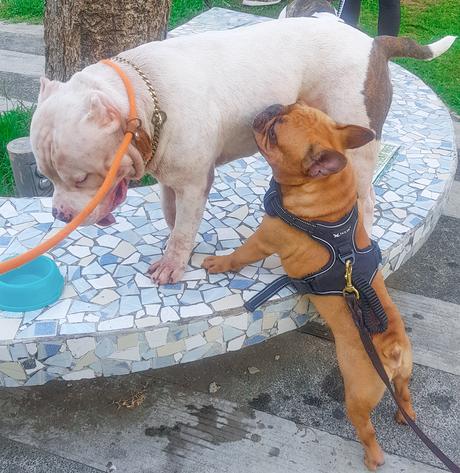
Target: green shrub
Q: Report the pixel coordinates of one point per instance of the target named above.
(14, 123)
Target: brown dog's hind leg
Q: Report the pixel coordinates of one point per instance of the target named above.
(401, 384)
(360, 402)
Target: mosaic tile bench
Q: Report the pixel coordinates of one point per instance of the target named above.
(111, 320)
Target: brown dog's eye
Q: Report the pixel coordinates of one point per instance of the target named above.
(272, 134)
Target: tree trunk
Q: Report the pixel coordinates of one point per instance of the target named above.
(81, 32)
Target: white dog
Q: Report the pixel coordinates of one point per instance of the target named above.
(211, 86)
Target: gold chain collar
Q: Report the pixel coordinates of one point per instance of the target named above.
(158, 117)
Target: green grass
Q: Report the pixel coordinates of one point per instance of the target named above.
(22, 10)
(13, 124)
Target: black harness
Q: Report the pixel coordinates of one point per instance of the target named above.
(339, 239)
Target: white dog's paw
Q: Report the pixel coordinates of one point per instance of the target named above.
(166, 271)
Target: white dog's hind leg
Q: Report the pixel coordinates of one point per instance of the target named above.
(364, 160)
(168, 204)
(190, 204)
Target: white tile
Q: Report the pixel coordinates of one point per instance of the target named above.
(236, 343)
(147, 322)
(115, 324)
(4, 354)
(79, 251)
(81, 346)
(105, 297)
(194, 342)
(216, 321)
(103, 282)
(7, 210)
(82, 374)
(43, 217)
(227, 233)
(157, 338)
(285, 325)
(58, 311)
(228, 302)
(124, 250)
(130, 354)
(168, 314)
(195, 310)
(237, 321)
(9, 328)
(143, 281)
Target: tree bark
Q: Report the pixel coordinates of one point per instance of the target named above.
(81, 32)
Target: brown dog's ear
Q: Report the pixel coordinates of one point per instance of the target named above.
(324, 163)
(354, 136)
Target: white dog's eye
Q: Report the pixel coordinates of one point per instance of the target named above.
(82, 180)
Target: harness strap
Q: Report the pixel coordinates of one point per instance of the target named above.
(265, 294)
(374, 317)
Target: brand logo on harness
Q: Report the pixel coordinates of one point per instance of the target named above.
(337, 235)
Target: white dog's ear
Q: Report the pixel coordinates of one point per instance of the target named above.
(354, 136)
(103, 112)
(47, 88)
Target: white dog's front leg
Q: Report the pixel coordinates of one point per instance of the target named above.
(168, 204)
(190, 203)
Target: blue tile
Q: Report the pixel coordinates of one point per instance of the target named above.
(130, 305)
(107, 259)
(240, 283)
(254, 340)
(46, 350)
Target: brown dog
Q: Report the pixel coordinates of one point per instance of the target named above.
(306, 150)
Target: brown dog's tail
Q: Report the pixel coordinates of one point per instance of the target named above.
(407, 47)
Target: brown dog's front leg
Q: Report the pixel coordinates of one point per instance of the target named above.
(257, 247)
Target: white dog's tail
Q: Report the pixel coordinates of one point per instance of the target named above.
(407, 47)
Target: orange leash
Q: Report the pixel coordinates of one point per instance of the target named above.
(30, 255)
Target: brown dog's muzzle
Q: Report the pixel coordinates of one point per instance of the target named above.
(264, 117)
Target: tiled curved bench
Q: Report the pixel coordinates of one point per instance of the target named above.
(111, 320)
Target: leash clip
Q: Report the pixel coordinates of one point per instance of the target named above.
(349, 288)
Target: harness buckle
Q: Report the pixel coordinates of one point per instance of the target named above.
(349, 288)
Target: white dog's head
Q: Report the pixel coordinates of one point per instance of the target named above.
(75, 133)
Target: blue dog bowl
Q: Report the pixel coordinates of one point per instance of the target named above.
(31, 286)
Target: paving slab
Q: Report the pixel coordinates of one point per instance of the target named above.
(16, 457)
(178, 430)
(434, 271)
(19, 86)
(22, 29)
(22, 63)
(21, 42)
(452, 208)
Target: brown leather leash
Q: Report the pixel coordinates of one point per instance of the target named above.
(352, 298)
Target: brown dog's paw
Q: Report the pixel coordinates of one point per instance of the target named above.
(374, 461)
(216, 264)
(399, 418)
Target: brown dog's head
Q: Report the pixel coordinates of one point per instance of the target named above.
(302, 143)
